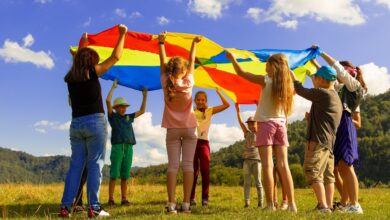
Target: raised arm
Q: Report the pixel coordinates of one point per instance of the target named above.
(109, 97)
(225, 103)
(309, 94)
(116, 53)
(258, 79)
(143, 105)
(161, 47)
(191, 64)
(242, 125)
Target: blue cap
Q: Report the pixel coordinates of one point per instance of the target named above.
(327, 73)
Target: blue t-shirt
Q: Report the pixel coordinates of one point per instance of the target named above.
(122, 129)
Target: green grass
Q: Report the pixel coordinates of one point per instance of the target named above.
(148, 202)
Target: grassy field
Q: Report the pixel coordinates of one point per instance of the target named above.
(148, 202)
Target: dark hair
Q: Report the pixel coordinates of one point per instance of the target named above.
(84, 60)
(359, 74)
(201, 93)
(174, 67)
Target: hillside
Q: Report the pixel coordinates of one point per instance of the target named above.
(17, 166)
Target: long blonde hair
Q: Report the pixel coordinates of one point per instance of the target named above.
(282, 88)
(174, 67)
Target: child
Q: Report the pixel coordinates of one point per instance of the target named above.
(203, 115)
(351, 90)
(252, 163)
(122, 140)
(325, 115)
(177, 80)
(275, 104)
(88, 129)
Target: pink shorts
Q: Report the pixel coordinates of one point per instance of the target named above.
(271, 132)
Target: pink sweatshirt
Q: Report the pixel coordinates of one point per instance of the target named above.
(179, 113)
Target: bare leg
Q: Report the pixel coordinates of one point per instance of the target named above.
(267, 165)
(111, 189)
(329, 191)
(319, 191)
(124, 189)
(350, 180)
(284, 170)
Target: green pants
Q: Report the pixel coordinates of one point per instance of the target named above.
(121, 159)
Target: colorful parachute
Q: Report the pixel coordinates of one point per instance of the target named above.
(139, 65)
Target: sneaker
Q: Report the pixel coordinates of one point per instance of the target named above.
(205, 202)
(171, 209)
(356, 209)
(185, 208)
(284, 206)
(322, 210)
(125, 202)
(192, 202)
(97, 213)
(276, 205)
(338, 206)
(63, 213)
(111, 203)
(292, 208)
(79, 208)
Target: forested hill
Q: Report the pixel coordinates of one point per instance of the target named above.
(226, 164)
(17, 166)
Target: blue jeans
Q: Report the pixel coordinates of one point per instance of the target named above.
(88, 136)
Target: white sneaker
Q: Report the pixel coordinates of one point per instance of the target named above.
(99, 213)
(356, 209)
(186, 208)
(171, 209)
(284, 206)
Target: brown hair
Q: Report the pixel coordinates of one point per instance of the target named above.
(201, 93)
(282, 89)
(174, 67)
(84, 60)
(359, 74)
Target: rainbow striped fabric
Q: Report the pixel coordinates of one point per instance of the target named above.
(139, 66)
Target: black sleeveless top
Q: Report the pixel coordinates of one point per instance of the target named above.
(86, 96)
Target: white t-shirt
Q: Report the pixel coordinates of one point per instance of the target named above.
(204, 121)
(265, 110)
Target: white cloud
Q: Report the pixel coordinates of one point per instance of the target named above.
(377, 78)
(384, 2)
(12, 52)
(40, 130)
(286, 13)
(43, 1)
(121, 12)
(44, 125)
(222, 136)
(87, 23)
(301, 106)
(147, 133)
(290, 24)
(135, 14)
(156, 155)
(28, 40)
(209, 8)
(255, 14)
(163, 20)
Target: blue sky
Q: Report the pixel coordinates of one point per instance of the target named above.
(36, 34)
